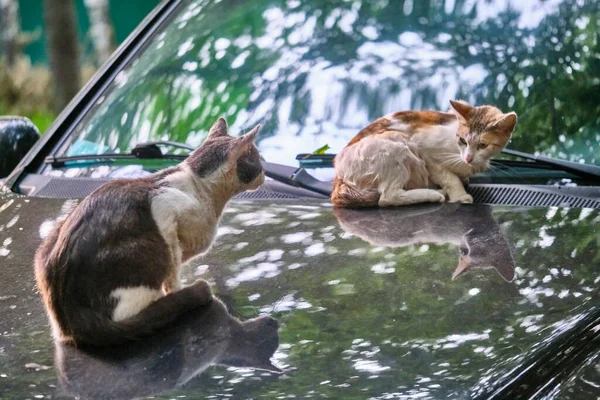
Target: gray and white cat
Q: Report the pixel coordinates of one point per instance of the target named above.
(473, 230)
(170, 358)
(109, 272)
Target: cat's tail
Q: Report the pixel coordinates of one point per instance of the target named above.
(94, 329)
(345, 196)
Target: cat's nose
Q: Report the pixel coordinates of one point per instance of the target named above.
(469, 158)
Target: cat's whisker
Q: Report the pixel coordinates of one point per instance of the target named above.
(452, 162)
(508, 172)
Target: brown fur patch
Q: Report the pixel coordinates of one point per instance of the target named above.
(481, 118)
(348, 197)
(379, 126)
(484, 118)
(417, 120)
(494, 138)
(420, 119)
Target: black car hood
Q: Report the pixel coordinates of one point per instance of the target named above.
(421, 302)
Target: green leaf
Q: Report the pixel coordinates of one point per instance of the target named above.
(321, 150)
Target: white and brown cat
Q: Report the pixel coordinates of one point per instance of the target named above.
(402, 158)
(109, 272)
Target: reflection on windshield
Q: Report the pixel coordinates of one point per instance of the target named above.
(169, 359)
(472, 229)
(315, 72)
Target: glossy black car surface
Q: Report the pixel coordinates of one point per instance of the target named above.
(425, 302)
(493, 300)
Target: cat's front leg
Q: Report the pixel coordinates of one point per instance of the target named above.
(451, 184)
(172, 283)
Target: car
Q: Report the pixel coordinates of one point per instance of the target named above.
(498, 299)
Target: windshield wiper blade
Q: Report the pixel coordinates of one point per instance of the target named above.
(298, 177)
(144, 151)
(582, 170)
(169, 143)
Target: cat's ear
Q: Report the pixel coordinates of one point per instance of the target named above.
(250, 137)
(464, 263)
(507, 123)
(463, 109)
(218, 129)
(243, 143)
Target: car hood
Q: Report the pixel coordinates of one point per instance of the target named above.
(420, 302)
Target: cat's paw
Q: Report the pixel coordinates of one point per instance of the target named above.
(202, 291)
(465, 199)
(441, 196)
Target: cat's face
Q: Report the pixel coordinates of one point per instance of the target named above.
(253, 343)
(483, 132)
(477, 250)
(233, 159)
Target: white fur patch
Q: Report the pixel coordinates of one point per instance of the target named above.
(185, 214)
(415, 196)
(396, 125)
(132, 300)
(375, 161)
(166, 208)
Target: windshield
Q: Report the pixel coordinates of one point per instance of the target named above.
(314, 73)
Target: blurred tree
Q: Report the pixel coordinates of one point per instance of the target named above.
(63, 49)
(9, 21)
(101, 28)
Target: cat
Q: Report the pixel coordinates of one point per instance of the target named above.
(473, 230)
(170, 358)
(394, 160)
(109, 272)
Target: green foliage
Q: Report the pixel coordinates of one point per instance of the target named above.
(321, 150)
(41, 118)
(311, 72)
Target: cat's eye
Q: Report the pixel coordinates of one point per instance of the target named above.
(482, 146)
(462, 141)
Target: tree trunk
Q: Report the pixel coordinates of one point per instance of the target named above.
(63, 49)
(9, 21)
(101, 29)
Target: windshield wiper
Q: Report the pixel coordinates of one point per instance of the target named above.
(586, 171)
(298, 177)
(583, 170)
(143, 151)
